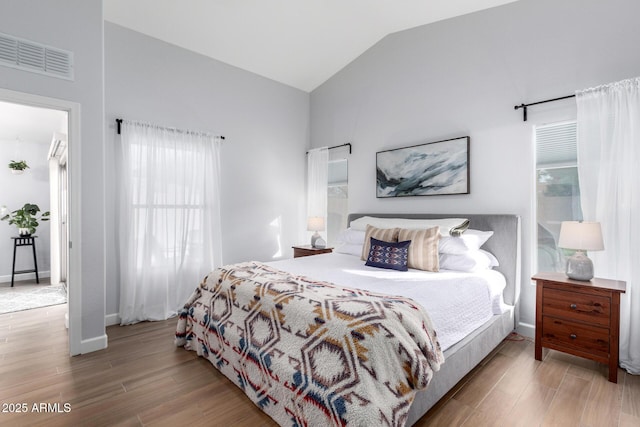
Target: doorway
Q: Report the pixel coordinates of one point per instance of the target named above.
(26, 263)
(68, 220)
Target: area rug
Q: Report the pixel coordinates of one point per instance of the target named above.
(25, 298)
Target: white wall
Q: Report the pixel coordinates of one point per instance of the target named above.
(77, 26)
(266, 125)
(463, 76)
(32, 186)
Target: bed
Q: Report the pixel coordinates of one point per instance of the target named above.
(305, 391)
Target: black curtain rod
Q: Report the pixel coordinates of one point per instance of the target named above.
(524, 106)
(338, 146)
(119, 124)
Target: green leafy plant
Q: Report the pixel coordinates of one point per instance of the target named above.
(18, 165)
(26, 218)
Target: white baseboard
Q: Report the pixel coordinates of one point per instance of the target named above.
(112, 319)
(526, 330)
(25, 276)
(94, 344)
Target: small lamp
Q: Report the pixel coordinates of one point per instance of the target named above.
(315, 223)
(581, 236)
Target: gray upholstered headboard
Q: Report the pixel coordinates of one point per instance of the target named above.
(504, 244)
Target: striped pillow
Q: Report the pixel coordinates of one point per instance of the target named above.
(384, 234)
(423, 252)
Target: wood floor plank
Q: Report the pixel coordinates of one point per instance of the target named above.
(521, 372)
(453, 414)
(551, 372)
(493, 408)
(631, 395)
(225, 408)
(569, 402)
(531, 407)
(578, 366)
(187, 414)
(186, 404)
(627, 420)
(514, 345)
(483, 382)
(604, 402)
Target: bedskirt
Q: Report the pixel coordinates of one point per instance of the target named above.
(308, 352)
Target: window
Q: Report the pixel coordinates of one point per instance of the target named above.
(169, 225)
(337, 199)
(557, 190)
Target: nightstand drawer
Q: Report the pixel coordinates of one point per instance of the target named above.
(591, 339)
(583, 307)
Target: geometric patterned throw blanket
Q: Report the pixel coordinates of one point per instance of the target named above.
(311, 353)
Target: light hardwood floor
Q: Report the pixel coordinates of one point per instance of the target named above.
(142, 379)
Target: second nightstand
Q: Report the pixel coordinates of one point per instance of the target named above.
(579, 318)
(308, 250)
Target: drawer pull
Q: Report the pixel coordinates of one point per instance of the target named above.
(573, 336)
(573, 306)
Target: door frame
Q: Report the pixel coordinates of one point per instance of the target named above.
(74, 284)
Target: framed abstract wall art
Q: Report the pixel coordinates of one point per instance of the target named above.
(431, 169)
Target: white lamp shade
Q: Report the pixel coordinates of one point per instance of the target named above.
(581, 235)
(315, 223)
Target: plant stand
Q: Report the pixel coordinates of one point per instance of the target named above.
(24, 241)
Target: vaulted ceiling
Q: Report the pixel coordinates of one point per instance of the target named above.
(300, 43)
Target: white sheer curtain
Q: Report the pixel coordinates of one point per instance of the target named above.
(608, 158)
(317, 182)
(169, 222)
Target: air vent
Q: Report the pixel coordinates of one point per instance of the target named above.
(35, 57)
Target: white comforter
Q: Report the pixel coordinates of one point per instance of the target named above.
(457, 302)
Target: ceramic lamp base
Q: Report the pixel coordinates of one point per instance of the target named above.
(314, 238)
(320, 243)
(579, 267)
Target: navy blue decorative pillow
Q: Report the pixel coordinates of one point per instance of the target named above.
(392, 255)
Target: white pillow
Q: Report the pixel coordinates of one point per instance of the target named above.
(468, 262)
(446, 224)
(471, 240)
(349, 248)
(351, 236)
(493, 261)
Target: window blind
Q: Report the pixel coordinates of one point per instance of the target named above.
(338, 173)
(556, 145)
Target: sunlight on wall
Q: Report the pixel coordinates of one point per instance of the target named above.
(276, 223)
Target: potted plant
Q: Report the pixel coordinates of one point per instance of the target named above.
(17, 167)
(26, 219)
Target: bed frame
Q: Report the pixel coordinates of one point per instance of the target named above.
(462, 357)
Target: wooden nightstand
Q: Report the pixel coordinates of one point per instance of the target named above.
(579, 318)
(308, 250)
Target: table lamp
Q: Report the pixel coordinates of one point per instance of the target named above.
(581, 236)
(315, 223)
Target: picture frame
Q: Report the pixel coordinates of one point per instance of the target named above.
(430, 169)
